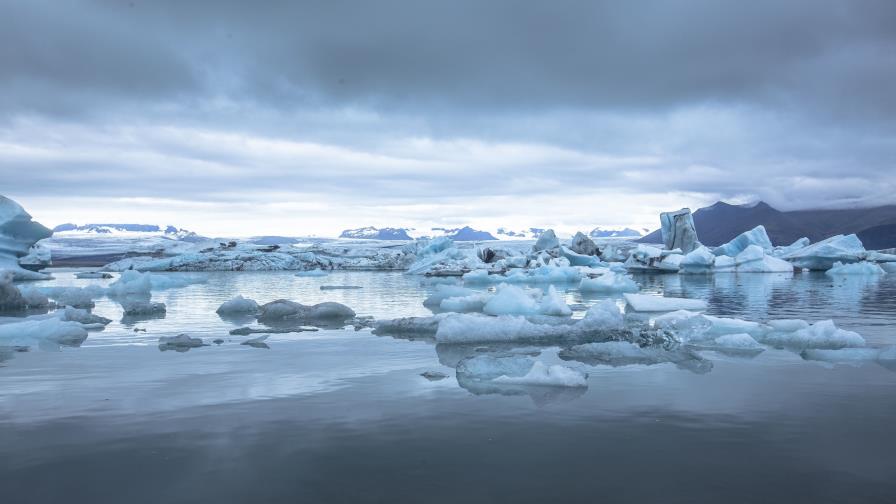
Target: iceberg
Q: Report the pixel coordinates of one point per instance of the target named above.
(678, 230)
(823, 255)
(649, 303)
(546, 242)
(609, 282)
(753, 259)
(40, 330)
(238, 304)
(18, 233)
(824, 335)
(793, 247)
(647, 258)
(283, 310)
(513, 300)
(864, 268)
(699, 260)
(756, 236)
(583, 245)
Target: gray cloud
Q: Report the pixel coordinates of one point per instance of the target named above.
(787, 101)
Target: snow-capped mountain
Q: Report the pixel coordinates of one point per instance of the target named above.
(465, 233)
(129, 230)
(526, 234)
(614, 233)
(372, 233)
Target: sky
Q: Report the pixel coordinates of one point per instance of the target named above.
(235, 118)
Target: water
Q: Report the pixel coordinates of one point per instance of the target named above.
(344, 416)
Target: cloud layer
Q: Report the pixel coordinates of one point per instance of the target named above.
(307, 117)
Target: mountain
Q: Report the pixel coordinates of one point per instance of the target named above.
(372, 233)
(526, 234)
(720, 222)
(614, 233)
(466, 233)
(133, 230)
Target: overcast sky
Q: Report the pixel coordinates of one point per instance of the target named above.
(245, 118)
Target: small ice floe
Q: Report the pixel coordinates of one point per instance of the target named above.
(245, 331)
(179, 343)
(313, 273)
(433, 375)
(609, 282)
(93, 275)
(258, 342)
(863, 268)
(648, 303)
(820, 335)
(40, 330)
(283, 311)
(238, 305)
(133, 282)
(340, 287)
(139, 307)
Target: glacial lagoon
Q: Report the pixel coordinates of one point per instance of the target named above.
(346, 415)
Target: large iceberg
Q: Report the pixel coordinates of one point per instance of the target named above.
(756, 236)
(823, 255)
(18, 233)
(678, 230)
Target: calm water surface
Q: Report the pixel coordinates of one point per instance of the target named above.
(344, 415)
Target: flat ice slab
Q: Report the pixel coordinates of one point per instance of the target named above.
(648, 303)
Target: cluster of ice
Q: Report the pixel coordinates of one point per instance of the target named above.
(823, 255)
(756, 236)
(473, 327)
(609, 282)
(238, 304)
(63, 327)
(519, 370)
(18, 233)
(864, 268)
(752, 259)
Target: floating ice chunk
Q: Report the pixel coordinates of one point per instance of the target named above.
(479, 276)
(793, 247)
(624, 353)
(609, 282)
(602, 316)
(258, 342)
(81, 316)
(238, 304)
(678, 230)
(313, 273)
(646, 257)
(754, 260)
(39, 329)
(443, 292)
(423, 326)
(181, 342)
(34, 298)
(474, 327)
(284, 310)
(648, 303)
(555, 274)
(823, 255)
(470, 303)
(860, 268)
(699, 260)
(547, 376)
(756, 236)
(581, 244)
(824, 334)
(547, 241)
(737, 341)
(787, 325)
(691, 326)
(78, 297)
(513, 300)
(18, 233)
(141, 307)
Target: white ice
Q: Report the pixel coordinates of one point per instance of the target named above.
(650, 303)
